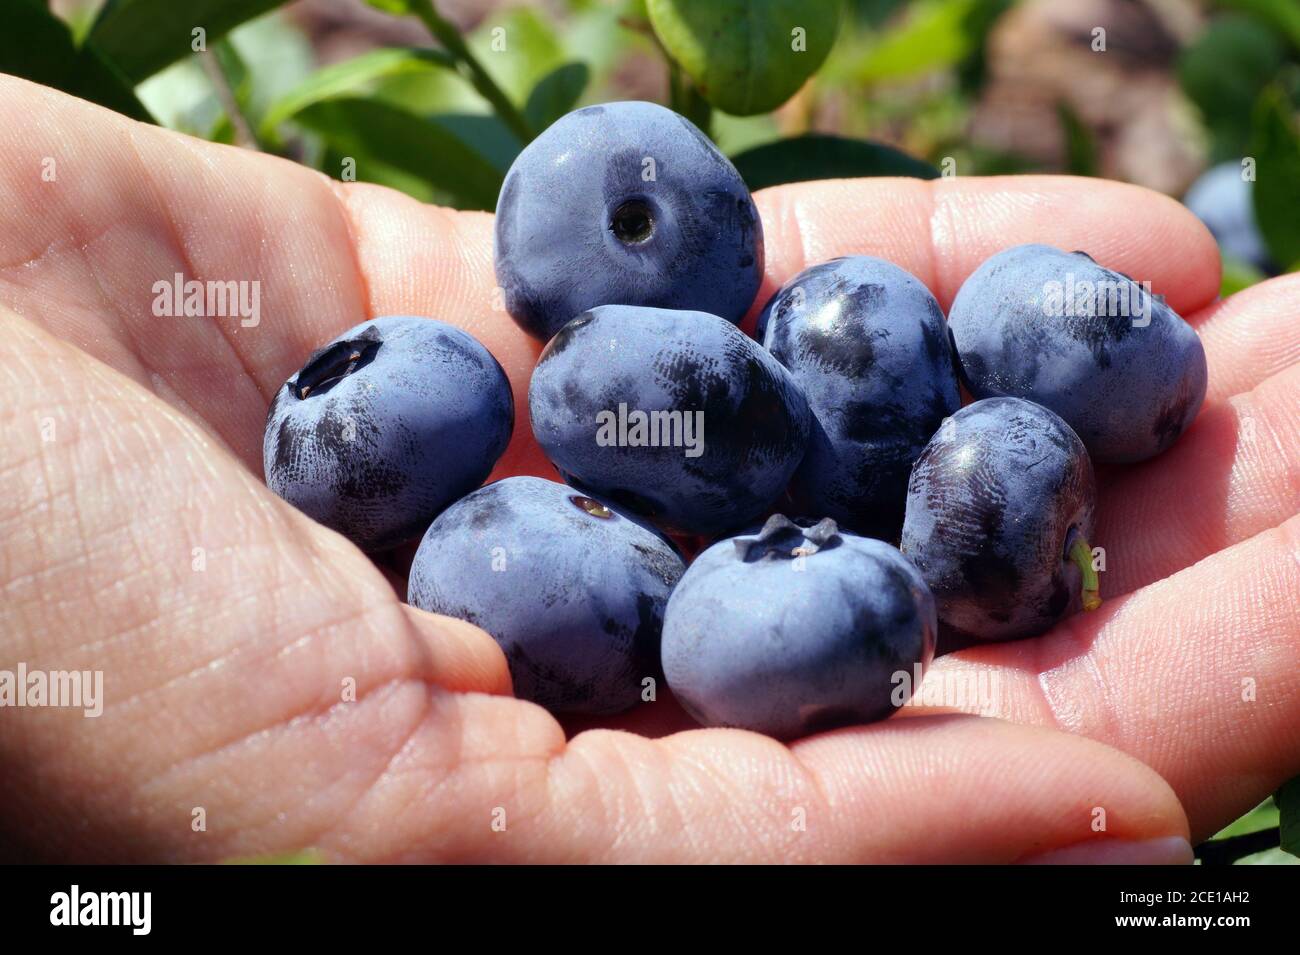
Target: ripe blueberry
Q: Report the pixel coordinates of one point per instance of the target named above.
(677, 415)
(794, 630)
(867, 343)
(999, 516)
(385, 426)
(572, 590)
(1119, 365)
(624, 204)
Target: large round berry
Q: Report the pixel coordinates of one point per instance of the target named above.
(867, 343)
(571, 589)
(385, 426)
(677, 415)
(1117, 363)
(794, 630)
(624, 204)
(999, 518)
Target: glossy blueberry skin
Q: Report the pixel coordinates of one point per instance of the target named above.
(755, 420)
(990, 509)
(1222, 200)
(1128, 391)
(868, 344)
(572, 590)
(418, 420)
(756, 639)
(558, 252)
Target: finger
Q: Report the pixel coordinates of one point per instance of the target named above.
(1198, 676)
(130, 206)
(906, 791)
(942, 230)
(1234, 474)
(1250, 336)
(131, 545)
(423, 260)
(457, 655)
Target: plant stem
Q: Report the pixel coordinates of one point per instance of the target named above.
(1227, 851)
(1081, 554)
(447, 34)
(244, 134)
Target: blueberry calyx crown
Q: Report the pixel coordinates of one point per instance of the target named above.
(783, 539)
(334, 362)
(633, 222)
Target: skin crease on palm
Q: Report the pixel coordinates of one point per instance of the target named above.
(130, 440)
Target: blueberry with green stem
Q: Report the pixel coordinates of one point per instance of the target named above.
(999, 521)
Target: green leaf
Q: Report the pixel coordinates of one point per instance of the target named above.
(1263, 816)
(38, 46)
(935, 34)
(817, 156)
(398, 8)
(1275, 147)
(486, 134)
(304, 857)
(1282, 15)
(746, 56)
(428, 148)
(349, 77)
(1288, 806)
(1223, 71)
(1080, 148)
(142, 36)
(1238, 275)
(555, 94)
(517, 49)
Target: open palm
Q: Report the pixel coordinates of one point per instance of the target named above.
(137, 538)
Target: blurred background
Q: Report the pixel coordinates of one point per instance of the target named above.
(435, 98)
(1195, 98)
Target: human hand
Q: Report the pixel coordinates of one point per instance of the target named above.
(133, 440)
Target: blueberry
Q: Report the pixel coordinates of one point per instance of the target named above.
(385, 426)
(624, 204)
(868, 344)
(1221, 199)
(794, 630)
(999, 516)
(571, 589)
(1120, 366)
(677, 415)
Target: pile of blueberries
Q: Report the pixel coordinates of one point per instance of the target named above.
(847, 513)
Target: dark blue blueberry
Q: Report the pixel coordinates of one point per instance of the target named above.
(677, 415)
(999, 516)
(624, 204)
(794, 630)
(571, 589)
(385, 426)
(1119, 365)
(867, 343)
(1222, 199)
